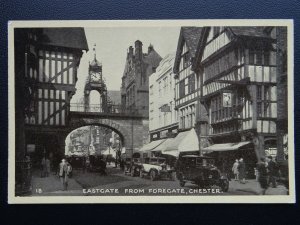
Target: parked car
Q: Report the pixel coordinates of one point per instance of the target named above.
(96, 164)
(156, 168)
(133, 166)
(200, 170)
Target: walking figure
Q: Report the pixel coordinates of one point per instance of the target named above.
(262, 175)
(235, 169)
(273, 171)
(241, 170)
(64, 173)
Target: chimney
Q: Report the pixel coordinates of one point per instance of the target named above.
(138, 49)
(150, 48)
(130, 51)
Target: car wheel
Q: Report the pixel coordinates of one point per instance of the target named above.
(152, 175)
(132, 172)
(225, 186)
(141, 173)
(181, 183)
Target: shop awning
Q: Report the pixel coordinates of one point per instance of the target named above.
(226, 146)
(150, 146)
(184, 142)
(162, 147)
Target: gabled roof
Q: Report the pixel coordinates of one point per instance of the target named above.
(238, 32)
(250, 31)
(65, 37)
(191, 35)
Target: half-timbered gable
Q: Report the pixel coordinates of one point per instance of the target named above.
(237, 69)
(187, 88)
(52, 59)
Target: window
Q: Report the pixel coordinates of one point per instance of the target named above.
(181, 89)
(185, 60)
(151, 90)
(216, 31)
(259, 57)
(191, 83)
(159, 88)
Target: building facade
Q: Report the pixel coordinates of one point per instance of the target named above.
(162, 114)
(46, 62)
(237, 71)
(187, 86)
(135, 79)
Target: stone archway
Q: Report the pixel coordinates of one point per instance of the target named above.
(132, 130)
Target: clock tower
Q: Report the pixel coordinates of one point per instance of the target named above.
(95, 82)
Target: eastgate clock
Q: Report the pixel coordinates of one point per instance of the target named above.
(95, 76)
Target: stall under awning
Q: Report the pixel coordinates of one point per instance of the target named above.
(226, 146)
(184, 142)
(150, 146)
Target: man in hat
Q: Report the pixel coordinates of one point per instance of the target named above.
(63, 174)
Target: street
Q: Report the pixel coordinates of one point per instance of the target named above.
(117, 183)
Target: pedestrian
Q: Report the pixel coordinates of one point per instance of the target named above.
(63, 174)
(241, 170)
(262, 175)
(48, 167)
(43, 167)
(235, 169)
(272, 171)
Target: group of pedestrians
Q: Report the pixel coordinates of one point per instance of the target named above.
(267, 172)
(239, 170)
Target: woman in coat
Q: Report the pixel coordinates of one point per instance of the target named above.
(235, 169)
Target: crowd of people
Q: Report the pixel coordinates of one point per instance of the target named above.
(266, 172)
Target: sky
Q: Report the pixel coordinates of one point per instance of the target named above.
(111, 49)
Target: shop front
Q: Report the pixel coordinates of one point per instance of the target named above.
(226, 154)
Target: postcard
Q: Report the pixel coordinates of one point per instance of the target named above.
(151, 111)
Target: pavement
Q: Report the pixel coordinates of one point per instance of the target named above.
(51, 186)
(253, 187)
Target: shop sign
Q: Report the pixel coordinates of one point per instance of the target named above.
(227, 99)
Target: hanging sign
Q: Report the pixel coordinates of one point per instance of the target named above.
(227, 99)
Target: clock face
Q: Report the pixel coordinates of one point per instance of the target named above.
(95, 76)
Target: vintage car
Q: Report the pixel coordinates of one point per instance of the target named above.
(156, 168)
(96, 164)
(200, 170)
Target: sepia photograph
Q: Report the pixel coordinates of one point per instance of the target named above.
(159, 111)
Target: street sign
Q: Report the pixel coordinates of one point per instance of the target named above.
(165, 108)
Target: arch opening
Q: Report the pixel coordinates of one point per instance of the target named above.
(93, 140)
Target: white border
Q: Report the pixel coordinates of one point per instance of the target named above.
(148, 199)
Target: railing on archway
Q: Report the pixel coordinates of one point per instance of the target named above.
(110, 109)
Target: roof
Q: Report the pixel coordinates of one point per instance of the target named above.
(153, 58)
(95, 62)
(250, 31)
(226, 146)
(191, 35)
(65, 37)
